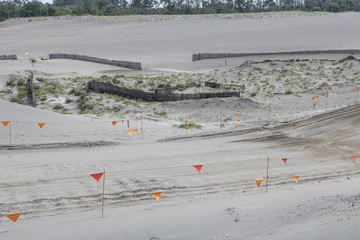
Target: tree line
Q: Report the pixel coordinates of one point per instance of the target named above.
(26, 8)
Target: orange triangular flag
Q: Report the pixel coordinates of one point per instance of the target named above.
(357, 89)
(353, 158)
(238, 112)
(317, 96)
(296, 178)
(313, 98)
(5, 123)
(129, 132)
(135, 131)
(157, 195)
(284, 159)
(198, 168)
(347, 98)
(276, 113)
(97, 176)
(314, 105)
(41, 125)
(238, 121)
(191, 128)
(114, 122)
(14, 217)
(189, 119)
(259, 181)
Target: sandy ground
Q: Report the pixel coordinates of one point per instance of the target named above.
(46, 171)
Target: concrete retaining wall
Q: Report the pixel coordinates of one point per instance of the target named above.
(149, 96)
(125, 64)
(8, 57)
(202, 56)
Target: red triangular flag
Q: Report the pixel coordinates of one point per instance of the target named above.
(97, 176)
(296, 178)
(41, 125)
(14, 217)
(353, 158)
(258, 181)
(114, 122)
(285, 159)
(198, 168)
(5, 123)
(157, 195)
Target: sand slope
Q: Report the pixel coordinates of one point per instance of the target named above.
(45, 172)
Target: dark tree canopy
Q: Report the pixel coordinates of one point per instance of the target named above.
(25, 8)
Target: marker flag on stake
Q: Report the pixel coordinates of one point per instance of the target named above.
(128, 123)
(357, 89)
(189, 119)
(41, 125)
(157, 195)
(317, 96)
(97, 176)
(259, 181)
(5, 123)
(129, 132)
(191, 128)
(285, 159)
(276, 113)
(135, 131)
(238, 112)
(296, 178)
(347, 98)
(198, 168)
(353, 158)
(313, 98)
(238, 121)
(13, 217)
(114, 122)
(327, 93)
(314, 105)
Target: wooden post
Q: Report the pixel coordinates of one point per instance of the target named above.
(220, 119)
(103, 197)
(327, 95)
(142, 131)
(267, 173)
(10, 132)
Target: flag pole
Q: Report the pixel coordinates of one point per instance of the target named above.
(220, 119)
(327, 96)
(142, 130)
(267, 173)
(103, 197)
(10, 132)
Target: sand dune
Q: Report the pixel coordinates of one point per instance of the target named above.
(46, 171)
